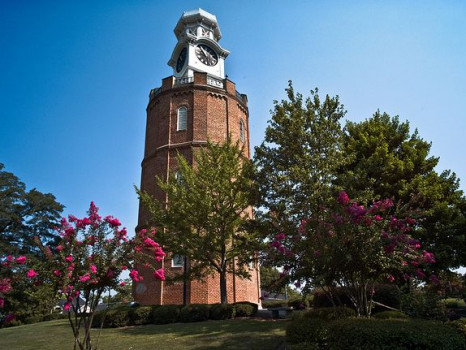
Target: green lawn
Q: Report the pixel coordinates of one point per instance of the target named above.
(229, 334)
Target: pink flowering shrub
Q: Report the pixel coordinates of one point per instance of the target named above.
(352, 246)
(88, 261)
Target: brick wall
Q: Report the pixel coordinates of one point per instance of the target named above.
(213, 113)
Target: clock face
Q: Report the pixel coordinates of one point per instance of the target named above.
(181, 60)
(206, 55)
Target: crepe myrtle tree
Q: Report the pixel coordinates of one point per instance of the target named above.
(352, 246)
(89, 260)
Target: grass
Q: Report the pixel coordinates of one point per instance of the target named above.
(229, 334)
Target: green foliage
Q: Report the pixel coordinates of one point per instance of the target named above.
(194, 313)
(385, 315)
(165, 314)
(451, 303)
(209, 212)
(309, 331)
(418, 304)
(222, 311)
(140, 315)
(24, 215)
(245, 309)
(388, 161)
(360, 333)
(117, 317)
(393, 334)
(329, 313)
(272, 304)
(298, 303)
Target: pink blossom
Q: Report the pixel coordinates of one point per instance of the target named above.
(114, 222)
(419, 273)
(159, 274)
(377, 218)
(59, 248)
(31, 273)
(66, 307)
(110, 273)
(21, 259)
(150, 243)
(10, 258)
(159, 254)
(391, 278)
(428, 258)
(85, 278)
(57, 273)
(434, 279)
(9, 318)
(280, 236)
(122, 283)
(124, 267)
(343, 198)
(134, 275)
(69, 258)
(2, 303)
(93, 269)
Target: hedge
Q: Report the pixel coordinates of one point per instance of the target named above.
(360, 333)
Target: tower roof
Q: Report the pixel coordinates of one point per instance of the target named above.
(195, 17)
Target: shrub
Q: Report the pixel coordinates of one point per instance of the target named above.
(360, 333)
(165, 314)
(320, 299)
(307, 330)
(98, 317)
(140, 315)
(330, 313)
(194, 313)
(32, 319)
(459, 325)
(387, 294)
(222, 311)
(385, 315)
(451, 303)
(424, 305)
(272, 304)
(245, 309)
(393, 334)
(298, 303)
(117, 317)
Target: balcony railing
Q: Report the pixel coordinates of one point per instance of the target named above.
(183, 80)
(214, 82)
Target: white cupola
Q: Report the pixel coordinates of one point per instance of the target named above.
(197, 49)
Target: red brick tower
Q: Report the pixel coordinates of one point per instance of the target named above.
(197, 103)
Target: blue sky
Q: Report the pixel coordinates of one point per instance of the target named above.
(75, 78)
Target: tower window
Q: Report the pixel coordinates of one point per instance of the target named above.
(241, 130)
(177, 261)
(182, 122)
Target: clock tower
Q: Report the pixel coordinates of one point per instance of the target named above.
(197, 103)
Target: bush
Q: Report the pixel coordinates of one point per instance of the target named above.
(117, 317)
(459, 326)
(165, 314)
(245, 309)
(330, 313)
(98, 317)
(393, 334)
(451, 303)
(32, 319)
(424, 305)
(307, 330)
(386, 315)
(298, 303)
(222, 311)
(140, 315)
(359, 333)
(194, 313)
(387, 294)
(273, 304)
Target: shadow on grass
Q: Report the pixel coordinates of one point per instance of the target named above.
(230, 334)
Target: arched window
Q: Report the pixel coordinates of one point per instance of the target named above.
(182, 122)
(241, 130)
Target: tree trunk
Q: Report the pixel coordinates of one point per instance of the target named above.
(223, 288)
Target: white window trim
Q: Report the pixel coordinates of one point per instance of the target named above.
(180, 123)
(173, 261)
(241, 130)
